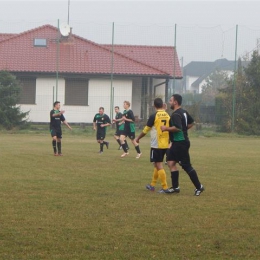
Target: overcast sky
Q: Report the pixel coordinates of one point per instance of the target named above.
(157, 17)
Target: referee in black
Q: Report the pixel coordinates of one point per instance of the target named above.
(56, 117)
(181, 121)
(100, 123)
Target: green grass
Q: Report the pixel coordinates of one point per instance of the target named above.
(89, 206)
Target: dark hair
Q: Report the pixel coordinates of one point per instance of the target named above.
(178, 98)
(55, 103)
(117, 107)
(102, 108)
(158, 103)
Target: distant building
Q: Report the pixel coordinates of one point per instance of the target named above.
(196, 72)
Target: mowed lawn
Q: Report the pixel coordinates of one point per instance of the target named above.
(89, 206)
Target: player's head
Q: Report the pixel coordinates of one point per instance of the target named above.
(56, 104)
(126, 104)
(101, 110)
(164, 106)
(175, 101)
(158, 103)
(116, 109)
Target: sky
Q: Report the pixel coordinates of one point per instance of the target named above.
(201, 30)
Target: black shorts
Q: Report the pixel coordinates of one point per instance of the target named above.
(101, 134)
(179, 152)
(56, 132)
(157, 155)
(129, 134)
(117, 133)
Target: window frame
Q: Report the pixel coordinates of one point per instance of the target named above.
(32, 86)
(69, 90)
(39, 44)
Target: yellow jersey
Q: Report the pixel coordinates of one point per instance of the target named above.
(159, 139)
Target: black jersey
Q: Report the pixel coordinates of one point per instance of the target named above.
(55, 121)
(118, 116)
(100, 120)
(180, 118)
(128, 126)
(176, 120)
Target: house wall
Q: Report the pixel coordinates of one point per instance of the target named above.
(39, 112)
(137, 98)
(160, 90)
(189, 81)
(98, 95)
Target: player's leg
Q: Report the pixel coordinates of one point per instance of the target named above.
(102, 135)
(59, 137)
(99, 141)
(172, 159)
(116, 136)
(54, 141)
(151, 186)
(158, 155)
(136, 145)
(103, 138)
(187, 167)
(122, 141)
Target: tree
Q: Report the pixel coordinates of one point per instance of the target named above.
(247, 97)
(10, 113)
(217, 80)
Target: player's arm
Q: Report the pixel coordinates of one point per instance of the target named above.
(131, 117)
(108, 122)
(175, 125)
(190, 121)
(67, 124)
(170, 129)
(190, 125)
(147, 128)
(62, 118)
(94, 124)
(58, 114)
(119, 119)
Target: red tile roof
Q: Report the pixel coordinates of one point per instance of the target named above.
(78, 55)
(4, 36)
(160, 57)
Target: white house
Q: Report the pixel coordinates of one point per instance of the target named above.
(84, 75)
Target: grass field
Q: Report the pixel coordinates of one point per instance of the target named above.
(89, 206)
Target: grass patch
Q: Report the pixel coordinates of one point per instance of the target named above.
(87, 206)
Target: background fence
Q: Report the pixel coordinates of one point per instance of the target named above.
(202, 52)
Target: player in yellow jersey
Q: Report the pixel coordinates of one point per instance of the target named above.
(159, 144)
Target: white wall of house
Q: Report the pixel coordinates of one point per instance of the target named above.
(160, 90)
(40, 111)
(137, 98)
(98, 95)
(189, 81)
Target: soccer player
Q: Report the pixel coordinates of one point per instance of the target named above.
(159, 144)
(100, 123)
(179, 150)
(56, 117)
(118, 121)
(127, 129)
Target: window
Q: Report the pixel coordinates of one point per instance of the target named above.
(40, 42)
(76, 92)
(28, 92)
